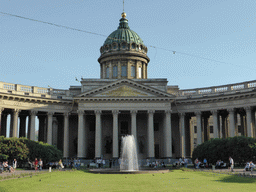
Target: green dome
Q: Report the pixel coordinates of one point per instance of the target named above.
(123, 33)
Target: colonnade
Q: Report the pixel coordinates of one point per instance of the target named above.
(224, 124)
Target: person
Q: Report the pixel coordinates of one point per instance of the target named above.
(14, 164)
(247, 166)
(251, 166)
(60, 165)
(110, 163)
(40, 164)
(186, 162)
(8, 167)
(231, 162)
(36, 164)
(205, 162)
(196, 163)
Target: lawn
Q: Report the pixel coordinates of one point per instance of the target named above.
(176, 180)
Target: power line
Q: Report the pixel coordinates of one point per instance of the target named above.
(115, 39)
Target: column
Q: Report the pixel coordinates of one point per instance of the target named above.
(23, 119)
(167, 134)
(231, 129)
(151, 150)
(98, 135)
(66, 135)
(1, 110)
(215, 123)
(119, 69)
(115, 133)
(134, 124)
(32, 125)
(249, 122)
(81, 148)
(49, 127)
(15, 122)
(199, 127)
(182, 134)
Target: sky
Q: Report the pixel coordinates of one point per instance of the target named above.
(214, 40)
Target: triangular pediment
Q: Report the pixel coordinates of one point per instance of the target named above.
(125, 88)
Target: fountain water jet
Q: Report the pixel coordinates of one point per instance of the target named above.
(129, 157)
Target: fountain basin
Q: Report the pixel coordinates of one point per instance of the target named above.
(118, 171)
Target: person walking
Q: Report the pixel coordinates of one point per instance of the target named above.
(40, 164)
(231, 162)
(14, 164)
(36, 164)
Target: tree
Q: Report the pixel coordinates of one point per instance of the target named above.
(241, 149)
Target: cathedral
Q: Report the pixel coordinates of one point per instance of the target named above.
(89, 121)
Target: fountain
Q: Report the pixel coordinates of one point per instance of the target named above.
(129, 160)
(129, 157)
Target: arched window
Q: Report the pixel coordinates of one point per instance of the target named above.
(124, 71)
(133, 46)
(115, 71)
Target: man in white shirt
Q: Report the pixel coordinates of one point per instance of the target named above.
(231, 161)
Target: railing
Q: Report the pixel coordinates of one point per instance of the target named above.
(217, 89)
(33, 91)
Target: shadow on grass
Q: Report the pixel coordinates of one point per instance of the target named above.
(238, 179)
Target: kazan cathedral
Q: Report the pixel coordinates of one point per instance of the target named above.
(88, 121)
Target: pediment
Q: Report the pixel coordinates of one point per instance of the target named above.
(125, 88)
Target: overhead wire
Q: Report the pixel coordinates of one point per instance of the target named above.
(115, 39)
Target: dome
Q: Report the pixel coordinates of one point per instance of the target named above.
(123, 34)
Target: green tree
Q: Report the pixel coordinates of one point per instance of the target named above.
(241, 149)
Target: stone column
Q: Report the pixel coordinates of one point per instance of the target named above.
(182, 134)
(23, 119)
(119, 69)
(167, 135)
(199, 127)
(15, 122)
(98, 135)
(231, 129)
(249, 122)
(151, 150)
(134, 123)
(81, 148)
(49, 127)
(32, 125)
(66, 135)
(115, 134)
(215, 123)
(110, 70)
(1, 110)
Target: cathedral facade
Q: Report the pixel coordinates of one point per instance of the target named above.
(88, 121)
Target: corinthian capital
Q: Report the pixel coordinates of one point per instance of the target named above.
(198, 113)
(97, 112)
(80, 112)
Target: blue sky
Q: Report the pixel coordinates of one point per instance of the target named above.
(34, 53)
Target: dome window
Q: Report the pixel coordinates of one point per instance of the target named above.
(124, 71)
(132, 71)
(107, 72)
(133, 46)
(115, 71)
(114, 46)
(123, 46)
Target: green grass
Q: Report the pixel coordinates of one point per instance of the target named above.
(176, 180)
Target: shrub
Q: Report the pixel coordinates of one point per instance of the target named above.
(241, 149)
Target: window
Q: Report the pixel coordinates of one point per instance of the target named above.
(124, 71)
(195, 129)
(107, 72)
(133, 71)
(211, 129)
(115, 71)
(140, 72)
(123, 45)
(133, 46)
(59, 97)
